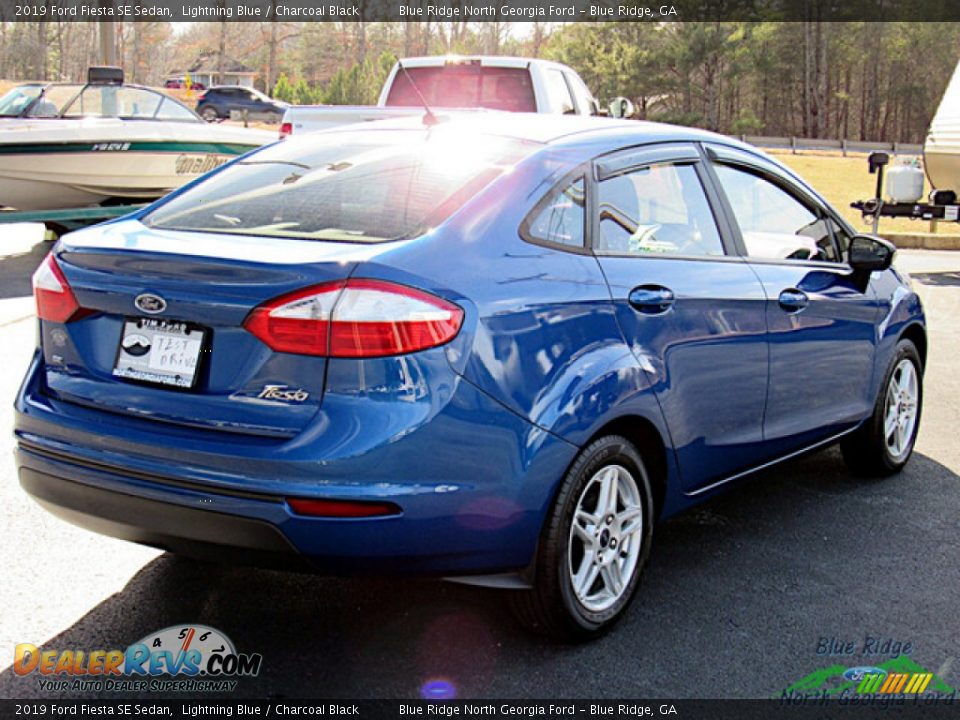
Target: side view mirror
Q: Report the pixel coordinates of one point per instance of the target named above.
(869, 253)
(621, 107)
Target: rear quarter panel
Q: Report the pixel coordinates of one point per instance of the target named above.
(540, 333)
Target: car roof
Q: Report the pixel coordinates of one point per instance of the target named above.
(547, 129)
(589, 133)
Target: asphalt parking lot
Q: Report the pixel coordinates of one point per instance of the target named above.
(738, 595)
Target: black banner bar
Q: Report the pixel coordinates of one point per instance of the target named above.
(901, 707)
(479, 10)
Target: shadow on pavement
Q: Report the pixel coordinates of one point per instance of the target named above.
(938, 279)
(16, 270)
(737, 595)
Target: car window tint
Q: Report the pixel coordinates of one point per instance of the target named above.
(843, 240)
(659, 209)
(362, 187)
(773, 222)
(561, 101)
(561, 218)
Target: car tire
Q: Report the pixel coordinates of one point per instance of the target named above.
(564, 603)
(884, 443)
(210, 114)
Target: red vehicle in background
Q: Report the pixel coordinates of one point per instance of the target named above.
(181, 84)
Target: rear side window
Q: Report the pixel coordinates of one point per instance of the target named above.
(467, 85)
(363, 187)
(560, 218)
(773, 222)
(659, 209)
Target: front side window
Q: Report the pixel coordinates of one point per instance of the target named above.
(774, 223)
(561, 218)
(658, 209)
(363, 186)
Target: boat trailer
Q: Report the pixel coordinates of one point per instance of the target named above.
(942, 204)
(60, 222)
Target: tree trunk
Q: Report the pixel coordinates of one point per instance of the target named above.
(221, 51)
(41, 62)
(272, 55)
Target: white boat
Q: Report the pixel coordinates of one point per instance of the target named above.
(941, 152)
(71, 145)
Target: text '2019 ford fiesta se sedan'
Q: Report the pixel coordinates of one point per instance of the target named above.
(496, 348)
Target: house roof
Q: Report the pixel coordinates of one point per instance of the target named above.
(210, 64)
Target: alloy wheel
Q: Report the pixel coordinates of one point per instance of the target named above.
(900, 410)
(605, 538)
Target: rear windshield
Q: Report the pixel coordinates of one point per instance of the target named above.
(465, 86)
(364, 187)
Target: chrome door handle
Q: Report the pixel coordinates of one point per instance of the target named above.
(792, 300)
(651, 299)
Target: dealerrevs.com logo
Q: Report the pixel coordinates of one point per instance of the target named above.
(180, 658)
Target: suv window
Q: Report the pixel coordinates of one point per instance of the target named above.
(657, 209)
(775, 223)
(559, 93)
(560, 218)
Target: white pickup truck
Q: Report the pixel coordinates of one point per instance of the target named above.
(497, 83)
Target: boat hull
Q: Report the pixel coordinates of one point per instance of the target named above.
(56, 164)
(29, 181)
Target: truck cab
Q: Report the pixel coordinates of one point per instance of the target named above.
(511, 84)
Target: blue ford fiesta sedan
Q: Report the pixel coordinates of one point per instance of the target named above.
(496, 348)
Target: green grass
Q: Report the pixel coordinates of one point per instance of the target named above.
(841, 180)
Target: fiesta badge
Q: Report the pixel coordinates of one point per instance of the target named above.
(150, 303)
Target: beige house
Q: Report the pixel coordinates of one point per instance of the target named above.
(205, 70)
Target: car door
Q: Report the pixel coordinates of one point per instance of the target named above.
(690, 308)
(821, 319)
(235, 100)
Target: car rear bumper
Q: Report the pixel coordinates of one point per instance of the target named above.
(177, 528)
(472, 481)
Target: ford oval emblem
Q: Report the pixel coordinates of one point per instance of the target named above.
(150, 303)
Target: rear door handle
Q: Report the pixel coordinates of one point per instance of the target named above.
(651, 299)
(793, 300)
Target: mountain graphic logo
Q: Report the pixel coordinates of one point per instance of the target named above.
(899, 675)
(136, 345)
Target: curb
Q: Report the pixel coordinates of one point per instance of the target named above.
(924, 241)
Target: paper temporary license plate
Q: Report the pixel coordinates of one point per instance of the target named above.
(162, 352)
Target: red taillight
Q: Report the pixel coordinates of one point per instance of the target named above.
(55, 300)
(355, 318)
(285, 130)
(342, 508)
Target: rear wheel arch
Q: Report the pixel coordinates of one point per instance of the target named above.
(647, 440)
